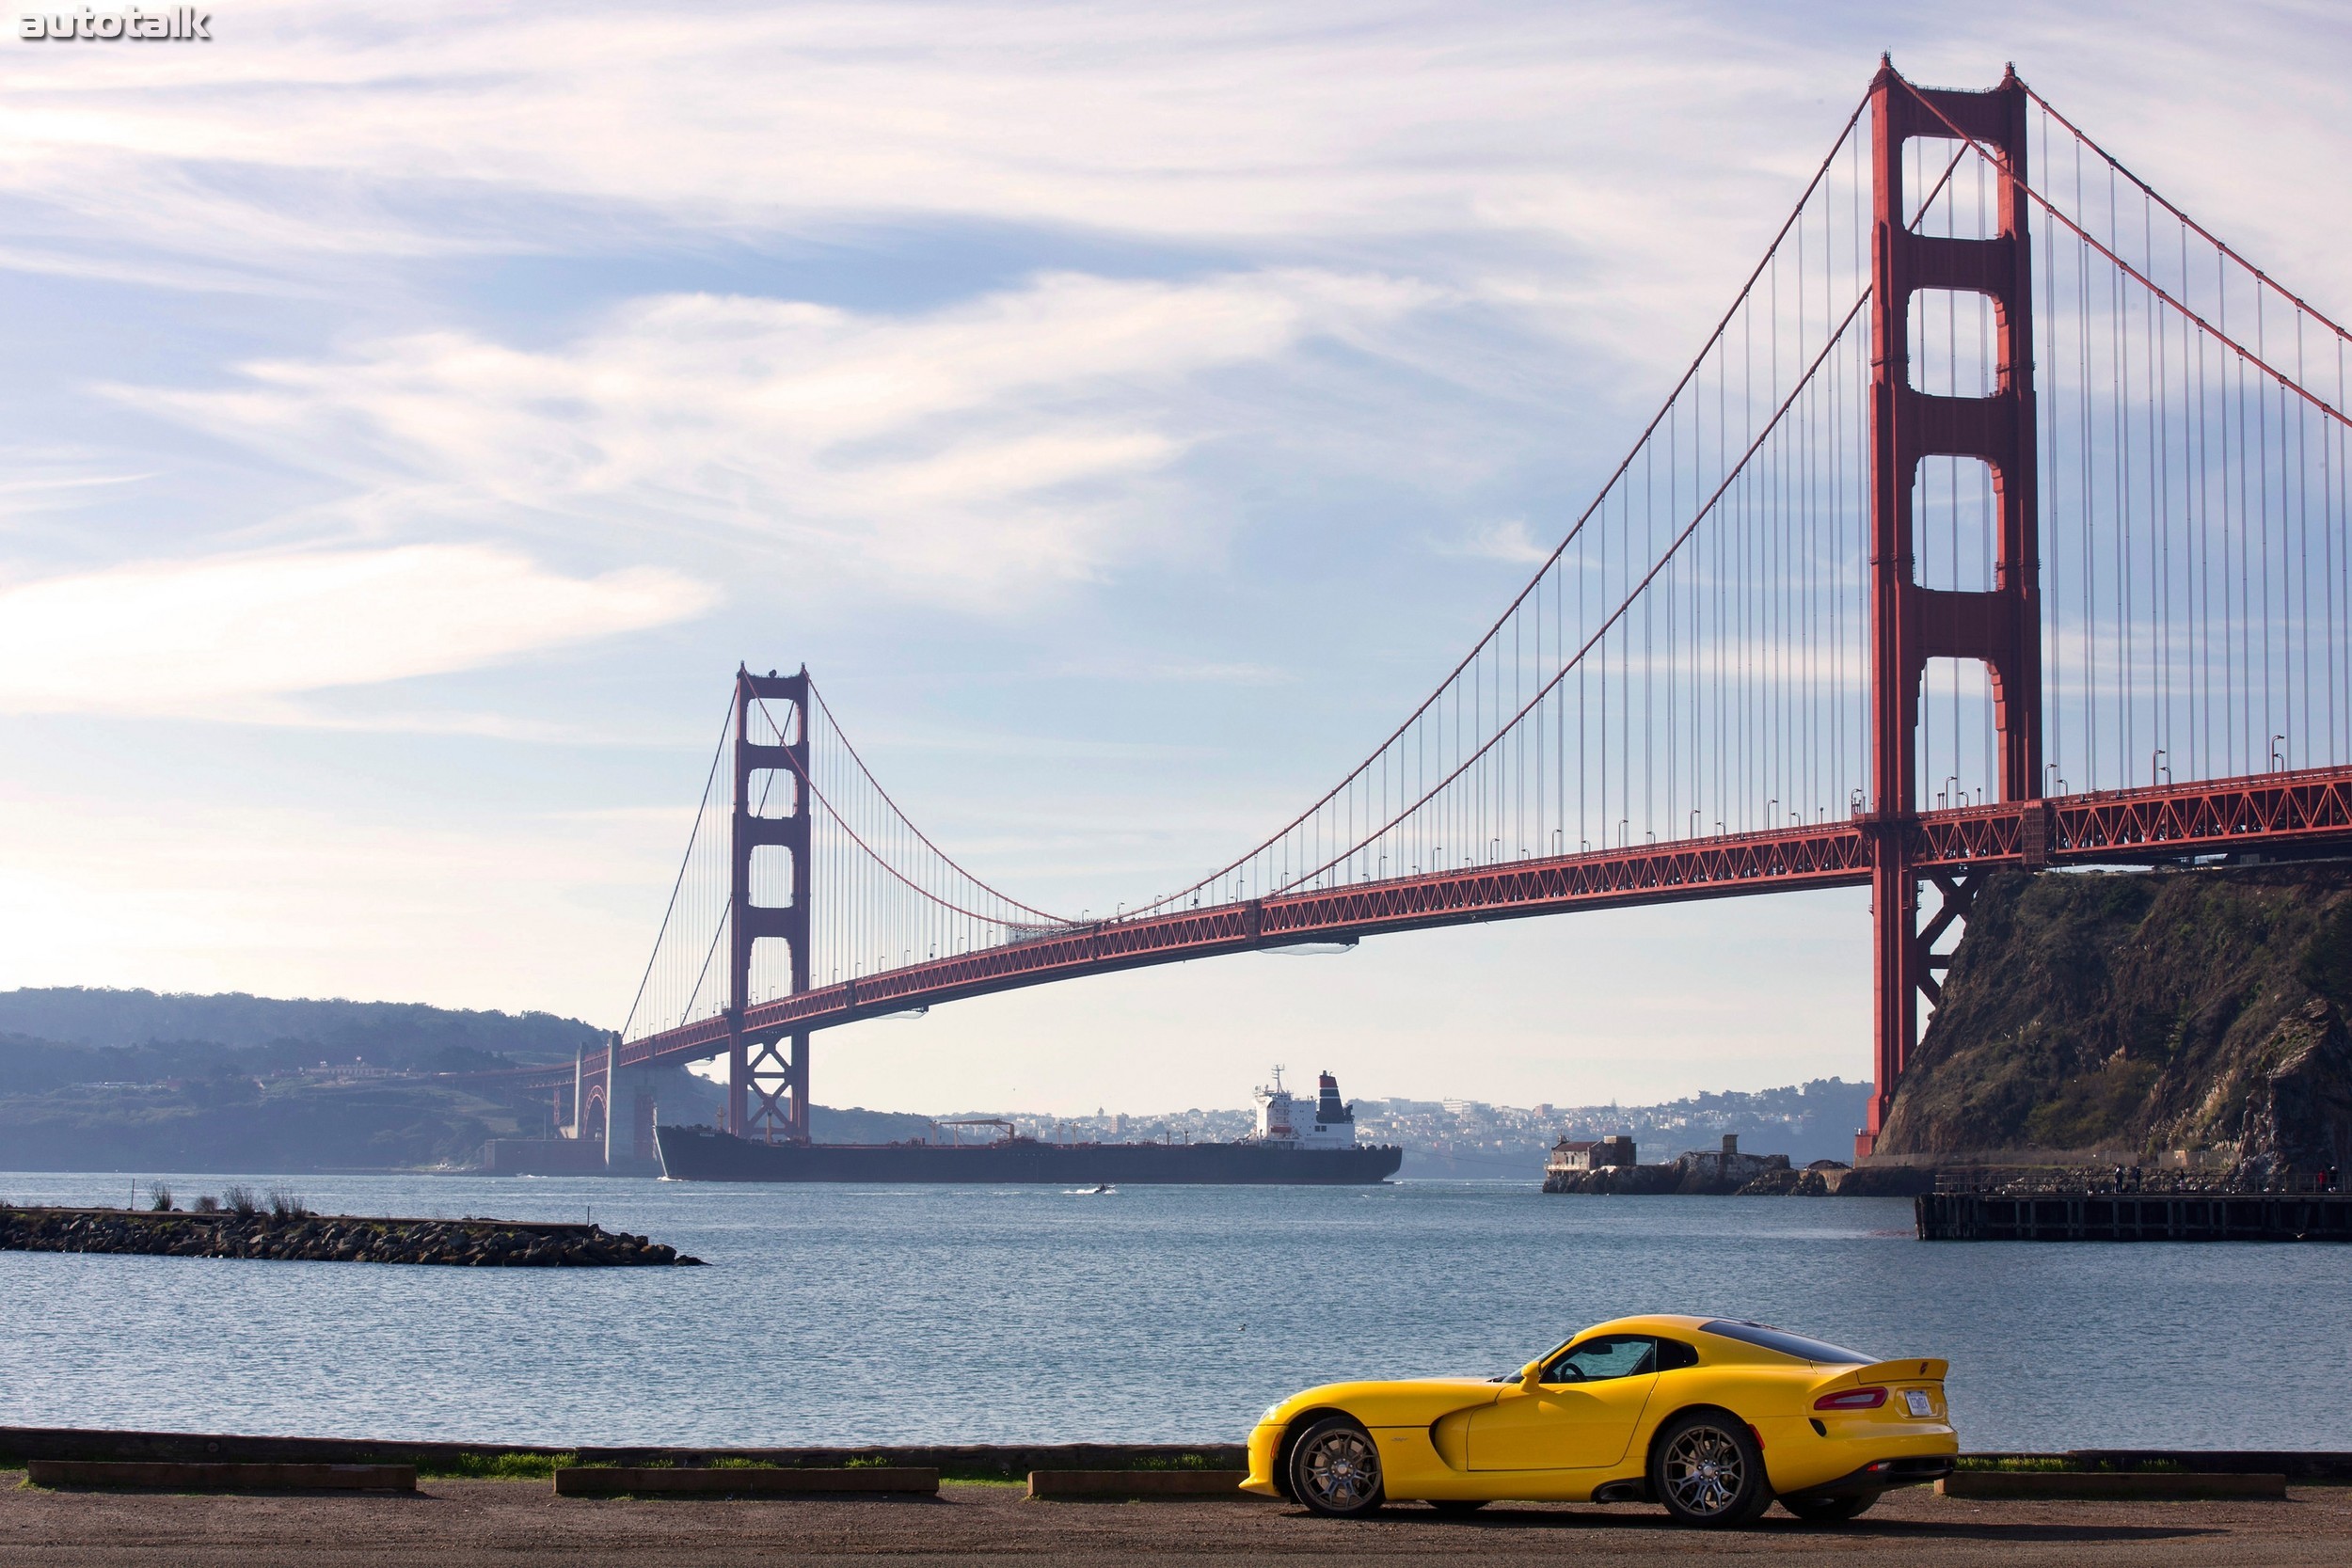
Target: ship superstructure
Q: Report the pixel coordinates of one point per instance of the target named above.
(1325, 1124)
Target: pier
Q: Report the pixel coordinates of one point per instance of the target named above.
(2135, 1217)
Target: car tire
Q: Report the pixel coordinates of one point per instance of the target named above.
(1335, 1469)
(1705, 1467)
(1830, 1511)
(1458, 1508)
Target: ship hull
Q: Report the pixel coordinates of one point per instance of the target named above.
(700, 1154)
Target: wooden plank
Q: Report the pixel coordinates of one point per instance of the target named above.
(1219, 1485)
(183, 1475)
(2174, 1485)
(742, 1480)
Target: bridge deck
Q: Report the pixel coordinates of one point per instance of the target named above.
(2283, 811)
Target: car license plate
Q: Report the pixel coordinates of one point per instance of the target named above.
(1916, 1401)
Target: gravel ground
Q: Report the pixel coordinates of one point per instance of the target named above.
(520, 1524)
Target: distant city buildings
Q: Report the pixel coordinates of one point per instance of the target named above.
(1592, 1153)
(1471, 1138)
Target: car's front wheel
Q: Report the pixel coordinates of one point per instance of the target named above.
(1335, 1470)
(1709, 1472)
(1830, 1511)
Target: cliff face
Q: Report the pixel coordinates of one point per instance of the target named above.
(2171, 1009)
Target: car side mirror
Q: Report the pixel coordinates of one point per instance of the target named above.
(1530, 1375)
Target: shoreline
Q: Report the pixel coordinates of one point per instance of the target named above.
(954, 1460)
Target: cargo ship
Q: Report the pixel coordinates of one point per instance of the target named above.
(1294, 1146)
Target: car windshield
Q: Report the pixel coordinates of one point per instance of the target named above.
(1785, 1344)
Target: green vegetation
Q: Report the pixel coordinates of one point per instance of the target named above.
(2091, 1108)
(497, 1465)
(2013, 1464)
(2008, 1462)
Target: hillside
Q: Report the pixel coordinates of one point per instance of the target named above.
(407, 1035)
(242, 1125)
(2144, 1012)
(135, 1080)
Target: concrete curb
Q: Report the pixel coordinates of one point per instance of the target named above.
(1008, 1461)
(1220, 1485)
(182, 1477)
(740, 1480)
(2080, 1485)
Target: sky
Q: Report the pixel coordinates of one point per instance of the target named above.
(411, 414)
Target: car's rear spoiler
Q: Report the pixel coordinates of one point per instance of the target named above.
(1925, 1369)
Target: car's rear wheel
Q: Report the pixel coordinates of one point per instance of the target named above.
(1335, 1469)
(1830, 1511)
(1709, 1472)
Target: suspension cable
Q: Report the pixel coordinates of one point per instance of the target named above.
(2285, 382)
(684, 860)
(1607, 488)
(2199, 229)
(924, 839)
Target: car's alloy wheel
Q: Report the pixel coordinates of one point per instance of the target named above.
(1830, 1511)
(1707, 1472)
(1335, 1470)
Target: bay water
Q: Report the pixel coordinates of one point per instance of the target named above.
(851, 1315)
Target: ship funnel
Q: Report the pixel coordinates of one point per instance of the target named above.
(1328, 1106)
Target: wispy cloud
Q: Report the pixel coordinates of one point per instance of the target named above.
(226, 637)
(39, 482)
(976, 453)
(1503, 539)
(1623, 143)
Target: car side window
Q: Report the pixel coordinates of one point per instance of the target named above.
(1672, 1356)
(1612, 1356)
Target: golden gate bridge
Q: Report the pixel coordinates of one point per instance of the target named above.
(1998, 523)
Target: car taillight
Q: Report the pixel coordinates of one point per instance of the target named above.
(1852, 1399)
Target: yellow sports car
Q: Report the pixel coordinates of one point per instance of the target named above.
(1713, 1417)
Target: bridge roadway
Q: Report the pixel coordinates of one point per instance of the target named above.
(2283, 810)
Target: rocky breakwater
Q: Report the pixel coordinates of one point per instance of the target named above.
(1775, 1178)
(329, 1239)
(1700, 1173)
(1608, 1166)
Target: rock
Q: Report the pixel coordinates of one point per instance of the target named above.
(2137, 1014)
(1885, 1181)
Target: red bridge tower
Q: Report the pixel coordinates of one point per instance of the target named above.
(766, 1090)
(1911, 624)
